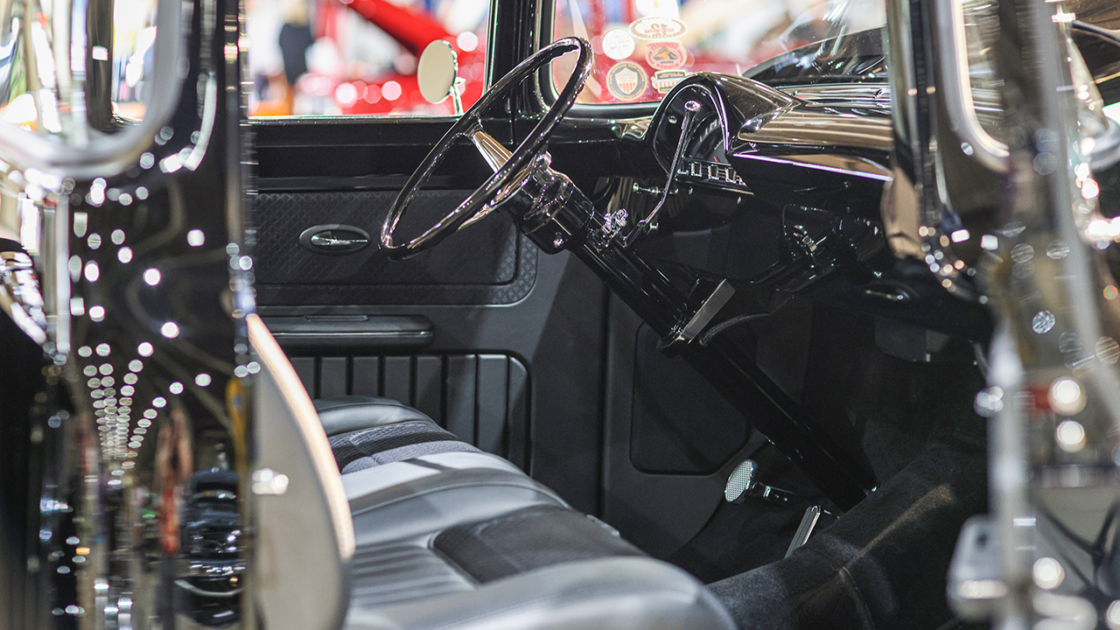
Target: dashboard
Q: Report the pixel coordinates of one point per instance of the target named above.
(779, 192)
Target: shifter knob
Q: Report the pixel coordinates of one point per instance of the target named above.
(744, 483)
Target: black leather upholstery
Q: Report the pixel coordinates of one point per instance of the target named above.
(528, 539)
(351, 413)
(409, 499)
(395, 442)
(611, 593)
(461, 538)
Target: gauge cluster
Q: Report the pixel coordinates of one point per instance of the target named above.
(711, 173)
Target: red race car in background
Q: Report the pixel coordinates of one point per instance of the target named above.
(338, 86)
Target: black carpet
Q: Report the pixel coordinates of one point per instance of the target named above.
(883, 564)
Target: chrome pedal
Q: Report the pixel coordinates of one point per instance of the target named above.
(744, 483)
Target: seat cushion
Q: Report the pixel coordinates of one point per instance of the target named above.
(467, 541)
(449, 536)
(419, 498)
(527, 539)
(610, 593)
(367, 431)
(343, 414)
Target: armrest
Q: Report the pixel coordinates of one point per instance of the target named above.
(365, 332)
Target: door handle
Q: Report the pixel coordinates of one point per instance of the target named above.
(334, 239)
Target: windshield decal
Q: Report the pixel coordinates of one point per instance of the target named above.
(666, 55)
(626, 81)
(618, 44)
(665, 80)
(658, 27)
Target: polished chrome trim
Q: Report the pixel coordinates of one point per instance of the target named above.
(109, 155)
(303, 410)
(806, 161)
(711, 307)
(953, 52)
(350, 334)
(329, 242)
(810, 128)
(194, 590)
(805, 529)
(492, 151)
(874, 95)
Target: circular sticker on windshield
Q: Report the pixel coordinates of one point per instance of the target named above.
(618, 44)
(658, 27)
(666, 55)
(626, 81)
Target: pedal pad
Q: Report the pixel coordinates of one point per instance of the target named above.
(744, 483)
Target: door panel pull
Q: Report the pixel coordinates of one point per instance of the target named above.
(352, 332)
(334, 239)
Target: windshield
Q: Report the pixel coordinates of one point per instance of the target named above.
(645, 47)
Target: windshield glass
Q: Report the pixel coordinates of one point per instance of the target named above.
(645, 47)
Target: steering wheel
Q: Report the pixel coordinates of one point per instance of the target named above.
(495, 189)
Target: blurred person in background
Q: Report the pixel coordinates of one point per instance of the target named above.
(295, 38)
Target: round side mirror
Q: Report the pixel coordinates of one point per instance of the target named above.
(436, 71)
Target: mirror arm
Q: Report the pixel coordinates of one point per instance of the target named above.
(456, 95)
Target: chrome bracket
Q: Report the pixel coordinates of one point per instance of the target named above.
(703, 315)
(809, 522)
(612, 225)
(976, 584)
(649, 223)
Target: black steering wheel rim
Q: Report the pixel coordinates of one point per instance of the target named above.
(530, 147)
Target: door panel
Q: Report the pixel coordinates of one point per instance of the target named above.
(498, 310)
(489, 263)
(512, 364)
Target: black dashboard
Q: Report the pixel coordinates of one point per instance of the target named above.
(778, 190)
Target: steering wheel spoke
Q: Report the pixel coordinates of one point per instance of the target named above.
(511, 168)
(492, 151)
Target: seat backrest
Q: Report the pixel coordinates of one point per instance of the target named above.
(305, 537)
